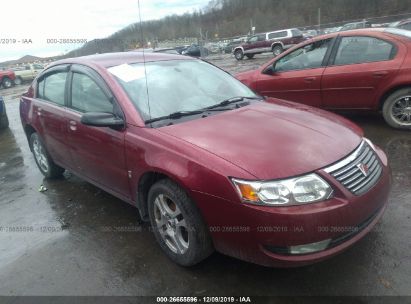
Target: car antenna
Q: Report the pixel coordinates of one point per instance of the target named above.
(144, 58)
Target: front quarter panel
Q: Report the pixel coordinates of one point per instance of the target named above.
(149, 150)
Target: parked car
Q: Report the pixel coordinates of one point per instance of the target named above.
(195, 50)
(356, 25)
(7, 78)
(308, 34)
(167, 51)
(4, 120)
(275, 42)
(362, 70)
(403, 24)
(231, 45)
(27, 73)
(210, 164)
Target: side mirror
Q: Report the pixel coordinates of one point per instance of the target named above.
(270, 70)
(101, 119)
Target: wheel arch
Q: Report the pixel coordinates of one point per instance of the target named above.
(238, 48)
(390, 91)
(145, 182)
(29, 130)
(275, 43)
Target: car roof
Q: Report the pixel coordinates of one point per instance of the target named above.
(113, 59)
(357, 32)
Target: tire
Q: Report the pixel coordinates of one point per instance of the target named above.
(177, 224)
(238, 54)
(250, 56)
(397, 109)
(43, 160)
(6, 83)
(277, 50)
(18, 80)
(4, 122)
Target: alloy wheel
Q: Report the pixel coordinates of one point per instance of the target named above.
(40, 155)
(171, 224)
(401, 110)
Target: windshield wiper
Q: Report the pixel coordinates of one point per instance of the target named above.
(232, 100)
(175, 115)
(179, 114)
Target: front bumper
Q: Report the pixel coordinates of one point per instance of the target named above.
(263, 235)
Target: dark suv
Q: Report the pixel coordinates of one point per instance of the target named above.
(275, 42)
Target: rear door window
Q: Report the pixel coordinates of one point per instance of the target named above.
(358, 49)
(52, 88)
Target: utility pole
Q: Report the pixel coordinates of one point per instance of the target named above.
(319, 19)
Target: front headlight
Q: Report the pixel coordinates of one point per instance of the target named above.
(296, 191)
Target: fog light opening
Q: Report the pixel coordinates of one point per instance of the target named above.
(309, 248)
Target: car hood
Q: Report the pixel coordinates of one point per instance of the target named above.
(272, 140)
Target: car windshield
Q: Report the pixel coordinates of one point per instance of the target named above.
(177, 85)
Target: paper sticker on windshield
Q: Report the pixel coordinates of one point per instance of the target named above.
(128, 73)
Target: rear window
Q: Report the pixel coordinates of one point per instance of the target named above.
(52, 88)
(277, 35)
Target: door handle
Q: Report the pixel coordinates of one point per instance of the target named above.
(73, 125)
(380, 74)
(309, 79)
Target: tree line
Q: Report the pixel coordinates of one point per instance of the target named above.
(229, 18)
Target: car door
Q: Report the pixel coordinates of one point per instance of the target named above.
(297, 75)
(251, 44)
(360, 65)
(98, 152)
(50, 113)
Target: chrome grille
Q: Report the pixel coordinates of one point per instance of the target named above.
(358, 172)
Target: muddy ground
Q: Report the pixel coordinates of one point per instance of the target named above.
(75, 239)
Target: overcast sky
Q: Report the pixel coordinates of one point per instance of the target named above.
(83, 19)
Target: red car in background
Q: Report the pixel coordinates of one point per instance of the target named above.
(7, 78)
(367, 70)
(210, 164)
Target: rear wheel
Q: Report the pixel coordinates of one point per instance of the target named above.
(238, 54)
(277, 50)
(43, 160)
(18, 80)
(6, 83)
(250, 56)
(177, 224)
(397, 109)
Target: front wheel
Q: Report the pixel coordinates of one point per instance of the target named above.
(397, 109)
(177, 224)
(238, 54)
(43, 160)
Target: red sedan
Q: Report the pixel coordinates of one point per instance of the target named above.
(210, 164)
(367, 70)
